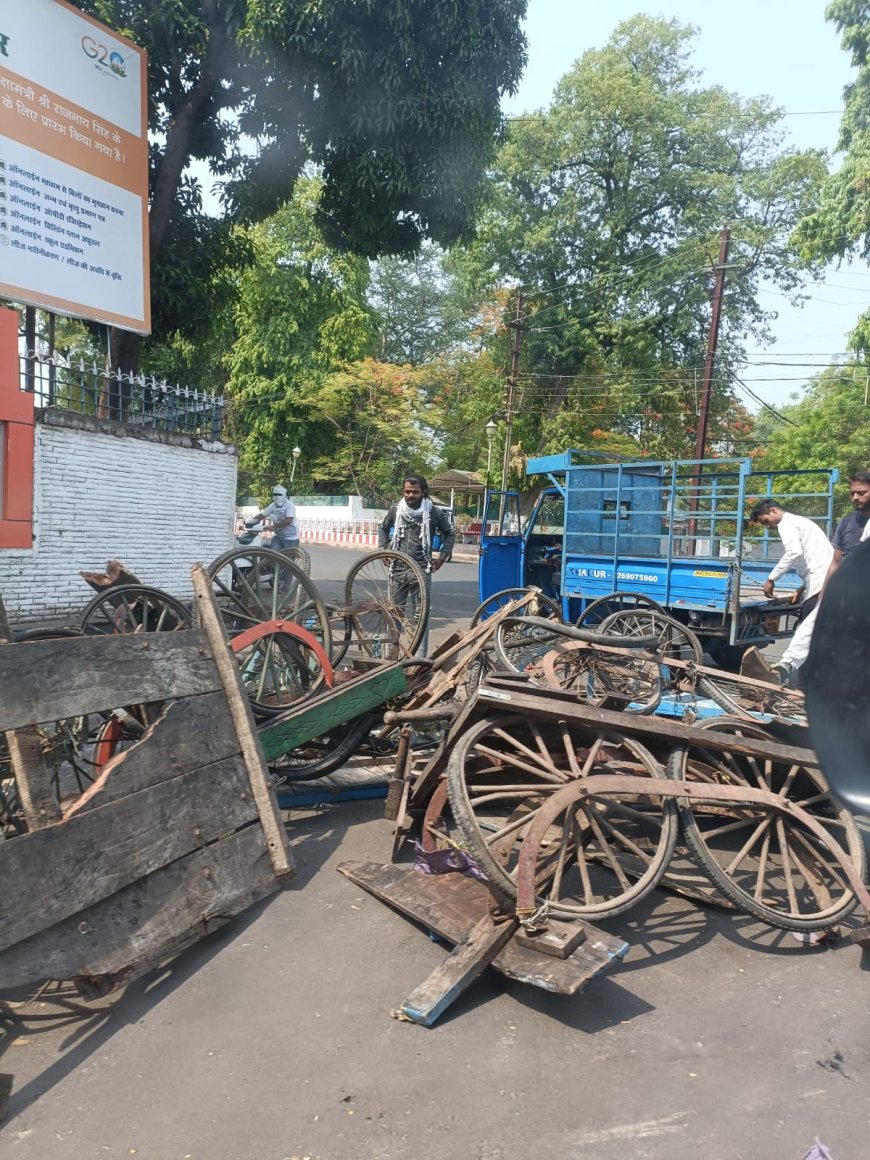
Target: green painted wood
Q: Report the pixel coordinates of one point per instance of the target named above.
(318, 715)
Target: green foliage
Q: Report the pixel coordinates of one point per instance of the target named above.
(606, 208)
(839, 227)
(396, 102)
(828, 427)
(377, 416)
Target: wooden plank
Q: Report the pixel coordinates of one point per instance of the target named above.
(32, 777)
(450, 904)
(146, 922)
(188, 735)
(470, 957)
(317, 715)
(72, 864)
(549, 703)
(46, 680)
(209, 620)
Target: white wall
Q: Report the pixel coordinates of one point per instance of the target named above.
(155, 501)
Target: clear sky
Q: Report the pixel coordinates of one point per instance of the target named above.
(782, 48)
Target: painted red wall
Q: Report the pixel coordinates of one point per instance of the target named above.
(16, 430)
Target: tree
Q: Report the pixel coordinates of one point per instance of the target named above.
(839, 227)
(827, 427)
(396, 103)
(300, 316)
(606, 209)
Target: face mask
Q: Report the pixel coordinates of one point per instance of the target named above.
(279, 496)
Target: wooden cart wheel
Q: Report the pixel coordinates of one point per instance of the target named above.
(388, 605)
(600, 857)
(127, 608)
(603, 679)
(543, 606)
(280, 663)
(751, 700)
(252, 585)
(599, 610)
(766, 861)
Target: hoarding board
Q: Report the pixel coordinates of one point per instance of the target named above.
(73, 165)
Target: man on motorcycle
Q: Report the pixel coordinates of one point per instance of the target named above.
(282, 513)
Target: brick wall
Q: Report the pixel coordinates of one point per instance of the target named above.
(157, 502)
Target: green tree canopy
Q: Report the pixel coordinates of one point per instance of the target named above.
(396, 102)
(606, 210)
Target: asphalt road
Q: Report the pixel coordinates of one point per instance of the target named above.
(273, 1040)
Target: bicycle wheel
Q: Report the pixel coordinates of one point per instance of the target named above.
(599, 857)
(387, 604)
(599, 610)
(766, 861)
(299, 557)
(127, 608)
(253, 585)
(543, 606)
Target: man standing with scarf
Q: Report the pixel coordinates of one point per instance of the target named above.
(410, 526)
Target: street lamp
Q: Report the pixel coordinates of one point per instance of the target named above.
(297, 451)
(490, 429)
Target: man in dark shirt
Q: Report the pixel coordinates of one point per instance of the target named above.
(850, 530)
(410, 526)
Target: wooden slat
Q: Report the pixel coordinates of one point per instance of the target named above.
(148, 921)
(463, 965)
(46, 680)
(57, 871)
(548, 703)
(450, 904)
(32, 777)
(212, 626)
(317, 715)
(189, 734)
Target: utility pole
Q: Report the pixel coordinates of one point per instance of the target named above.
(518, 329)
(712, 341)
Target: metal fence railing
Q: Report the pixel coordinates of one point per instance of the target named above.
(140, 400)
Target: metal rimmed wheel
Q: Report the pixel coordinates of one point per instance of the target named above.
(599, 610)
(766, 860)
(543, 606)
(280, 663)
(750, 700)
(605, 679)
(387, 604)
(127, 608)
(600, 857)
(252, 585)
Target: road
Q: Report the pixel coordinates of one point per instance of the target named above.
(273, 1040)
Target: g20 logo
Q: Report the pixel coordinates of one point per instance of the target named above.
(113, 60)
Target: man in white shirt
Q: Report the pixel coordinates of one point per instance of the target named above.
(808, 552)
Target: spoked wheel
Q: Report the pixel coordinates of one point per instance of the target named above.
(301, 558)
(280, 664)
(769, 863)
(520, 642)
(252, 585)
(673, 639)
(543, 606)
(387, 605)
(599, 610)
(325, 754)
(598, 858)
(128, 608)
(751, 699)
(604, 679)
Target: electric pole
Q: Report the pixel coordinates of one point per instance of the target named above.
(712, 341)
(518, 329)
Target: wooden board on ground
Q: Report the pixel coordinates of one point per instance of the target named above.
(177, 834)
(452, 904)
